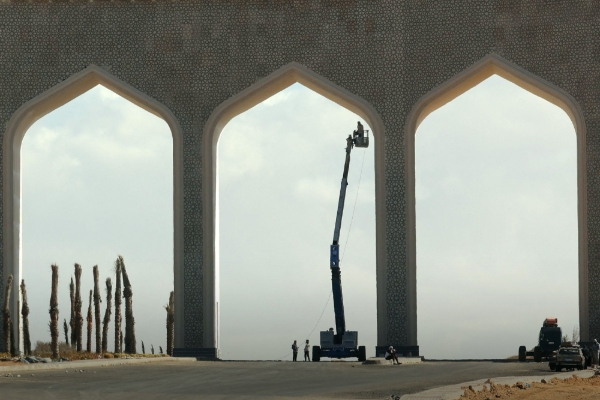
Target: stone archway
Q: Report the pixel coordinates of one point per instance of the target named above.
(38, 107)
(445, 93)
(248, 98)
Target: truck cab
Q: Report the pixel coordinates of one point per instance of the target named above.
(549, 341)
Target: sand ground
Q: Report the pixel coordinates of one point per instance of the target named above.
(574, 388)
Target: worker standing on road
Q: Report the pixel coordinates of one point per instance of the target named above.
(587, 353)
(307, 351)
(595, 350)
(295, 351)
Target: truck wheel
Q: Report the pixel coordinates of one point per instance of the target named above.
(537, 354)
(362, 353)
(580, 367)
(552, 366)
(316, 356)
(558, 368)
(522, 353)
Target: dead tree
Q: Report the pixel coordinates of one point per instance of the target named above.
(54, 333)
(66, 328)
(106, 321)
(13, 342)
(72, 323)
(118, 294)
(78, 305)
(97, 301)
(25, 316)
(90, 325)
(7, 325)
(170, 323)
(130, 344)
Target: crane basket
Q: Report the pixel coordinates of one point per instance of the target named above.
(361, 140)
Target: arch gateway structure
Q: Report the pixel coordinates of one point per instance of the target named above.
(199, 63)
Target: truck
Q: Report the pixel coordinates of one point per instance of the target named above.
(342, 343)
(549, 341)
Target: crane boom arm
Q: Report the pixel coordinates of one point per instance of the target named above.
(336, 279)
(342, 199)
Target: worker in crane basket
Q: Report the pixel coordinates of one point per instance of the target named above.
(360, 130)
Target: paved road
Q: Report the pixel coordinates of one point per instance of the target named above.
(252, 380)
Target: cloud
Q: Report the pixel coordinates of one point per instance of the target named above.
(241, 157)
(281, 97)
(318, 189)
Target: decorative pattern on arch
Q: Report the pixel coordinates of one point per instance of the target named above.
(493, 64)
(38, 107)
(236, 105)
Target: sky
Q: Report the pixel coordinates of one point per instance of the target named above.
(496, 197)
(97, 181)
(280, 168)
(496, 219)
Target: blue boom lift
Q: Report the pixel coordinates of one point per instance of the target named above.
(342, 344)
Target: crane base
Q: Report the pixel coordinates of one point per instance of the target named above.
(339, 352)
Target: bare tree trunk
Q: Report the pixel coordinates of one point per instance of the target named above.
(106, 321)
(66, 328)
(130, 344)
(90, 325)
(72, 323)
(78, 305)
(7, 326)
(54, 313)
(25, 315)
(97, 301)
(118, 294)
(13, 348)
(170, 323)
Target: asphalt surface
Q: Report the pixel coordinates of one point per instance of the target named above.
(252, 380)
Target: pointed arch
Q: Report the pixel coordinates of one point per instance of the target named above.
(45, 103)
(493, 64)
(238, 104)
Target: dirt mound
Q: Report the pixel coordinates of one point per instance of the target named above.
(555, 389)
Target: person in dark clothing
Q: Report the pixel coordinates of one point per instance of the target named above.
(588, 356)
(391, 355)
(307, 351)
(295, 351)
(360, 130)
